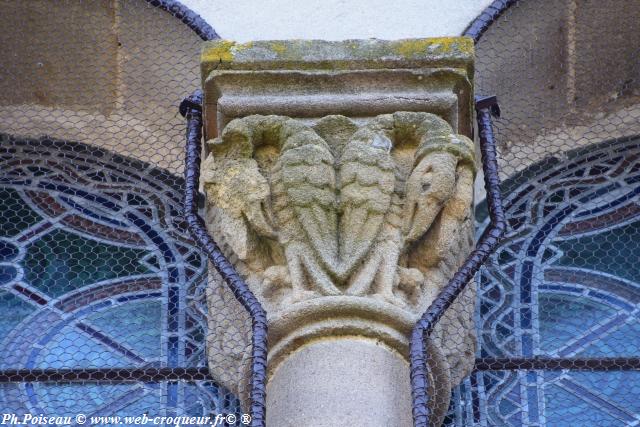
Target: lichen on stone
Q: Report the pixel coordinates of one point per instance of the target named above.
(440, 45)
(338, 55)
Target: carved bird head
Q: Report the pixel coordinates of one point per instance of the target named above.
(428, 188)
(239, 194)
(432, 180)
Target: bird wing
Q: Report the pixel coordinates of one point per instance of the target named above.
(309, 181)
(366, 182)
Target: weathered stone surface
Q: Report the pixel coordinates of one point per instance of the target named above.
(366, 377)
(347, 54)
(379, 212)
(107, 73)
(566, 76)
(311, 219)
(339, 181)
(360, 79)
(37, 71)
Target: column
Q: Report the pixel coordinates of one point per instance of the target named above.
(339, 179)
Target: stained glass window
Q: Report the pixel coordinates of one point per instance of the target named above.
(97, 271)
(563, 284)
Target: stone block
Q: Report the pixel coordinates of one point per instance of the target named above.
(360, 79)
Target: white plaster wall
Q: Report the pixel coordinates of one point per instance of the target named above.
(246, 20)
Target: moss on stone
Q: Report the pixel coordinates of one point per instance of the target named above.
(438, 45)
(278, 47)
(218, 51)
(322, 54)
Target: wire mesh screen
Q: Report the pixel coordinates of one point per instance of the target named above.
(564, 282)
(100, 281)
(103, 292)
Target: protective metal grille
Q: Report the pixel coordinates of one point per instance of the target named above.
(103, 289)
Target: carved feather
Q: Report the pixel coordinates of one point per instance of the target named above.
(366, 181)
(308, 177)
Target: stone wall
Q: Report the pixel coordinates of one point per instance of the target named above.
(566, 73)
(104, 72)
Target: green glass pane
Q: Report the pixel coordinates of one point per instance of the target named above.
(61, 262)
(15, 215)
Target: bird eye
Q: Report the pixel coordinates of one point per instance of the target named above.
(426, 186)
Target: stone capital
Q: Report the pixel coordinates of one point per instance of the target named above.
(310, 79)
(339, 180)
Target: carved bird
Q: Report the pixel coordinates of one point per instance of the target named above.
(425, 183)
(303, 218)
(283, 224)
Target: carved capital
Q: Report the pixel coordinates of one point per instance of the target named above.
(340, 209)
(343, 225)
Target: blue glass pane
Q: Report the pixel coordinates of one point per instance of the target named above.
(506, 407)
(8, 273)
(72, 399)
(138, 325)
(622, 388)
(193, 395)
(564, 409)
(71, 348)
(567, 277)
(150, 402)
(563, 317)
(8, 251)
(624, 341)
(607, 251)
